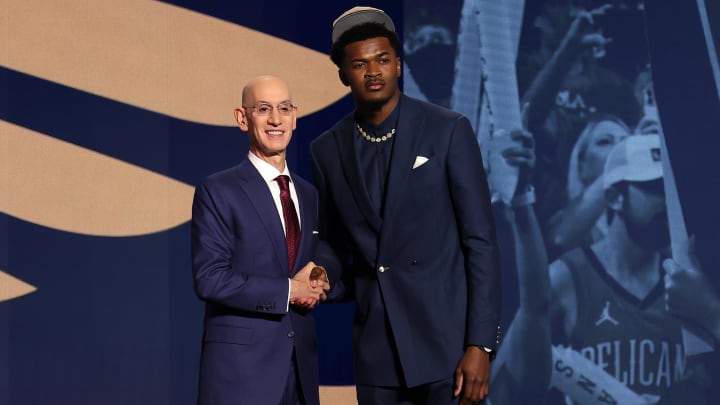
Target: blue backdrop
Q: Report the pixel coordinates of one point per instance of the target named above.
(93, 318)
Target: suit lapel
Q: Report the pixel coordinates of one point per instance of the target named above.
(409, 133)
(306, 224)
(349, 160)
(259, 195)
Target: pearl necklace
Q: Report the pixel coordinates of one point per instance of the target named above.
(372, 138)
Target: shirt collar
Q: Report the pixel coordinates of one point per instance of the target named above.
(267, 171)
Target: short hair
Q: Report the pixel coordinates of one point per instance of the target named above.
(360, 33)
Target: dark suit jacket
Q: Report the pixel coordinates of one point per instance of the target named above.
(240, 270)
(426, 276)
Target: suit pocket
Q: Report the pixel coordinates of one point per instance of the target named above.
(228, 334)
(427, 182)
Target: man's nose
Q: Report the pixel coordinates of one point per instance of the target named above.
(372, 70)
(274, 116)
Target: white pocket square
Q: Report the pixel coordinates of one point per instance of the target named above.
(315, 232)
(419, 161)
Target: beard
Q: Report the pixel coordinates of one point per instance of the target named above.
(651, 236)
(375, 104)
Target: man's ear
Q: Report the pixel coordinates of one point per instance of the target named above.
(399, 67)
(343, 78)
(241, 118)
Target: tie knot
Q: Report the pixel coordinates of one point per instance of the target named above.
(283, 182)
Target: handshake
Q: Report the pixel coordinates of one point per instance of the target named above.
(309, 286)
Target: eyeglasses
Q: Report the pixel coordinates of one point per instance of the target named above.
(266, 109)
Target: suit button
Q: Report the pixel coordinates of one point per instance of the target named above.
(291, 334)
(383, 269)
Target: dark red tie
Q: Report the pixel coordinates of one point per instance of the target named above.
(292, 227)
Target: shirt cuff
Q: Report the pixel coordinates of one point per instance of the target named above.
(287, 305)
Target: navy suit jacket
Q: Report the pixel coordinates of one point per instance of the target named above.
(240, 270)
(425, 276)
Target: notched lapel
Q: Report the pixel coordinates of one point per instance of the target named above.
(404, 154)
(259, 195)
(307, 226)
(351, 167)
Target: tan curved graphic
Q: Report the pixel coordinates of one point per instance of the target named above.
(60, 185)
(157, 56)
(11, 287)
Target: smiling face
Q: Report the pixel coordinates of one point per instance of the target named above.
(269, 135)
(371, 68)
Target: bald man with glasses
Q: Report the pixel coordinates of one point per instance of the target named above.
(255, 246)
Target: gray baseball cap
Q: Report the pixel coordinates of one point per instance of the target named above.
(360, 15)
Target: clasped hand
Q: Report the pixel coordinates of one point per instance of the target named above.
(309, 286)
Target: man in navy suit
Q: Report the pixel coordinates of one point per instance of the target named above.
(259, 345)
(405, 203)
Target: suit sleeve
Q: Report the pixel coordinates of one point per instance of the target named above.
(471, 200)
(213, 250)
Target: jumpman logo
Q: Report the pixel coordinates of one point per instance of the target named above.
(605, 316)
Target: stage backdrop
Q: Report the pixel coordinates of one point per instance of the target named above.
(112, 111)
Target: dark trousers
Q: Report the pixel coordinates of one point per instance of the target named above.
(437, 393)
(293, 390)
